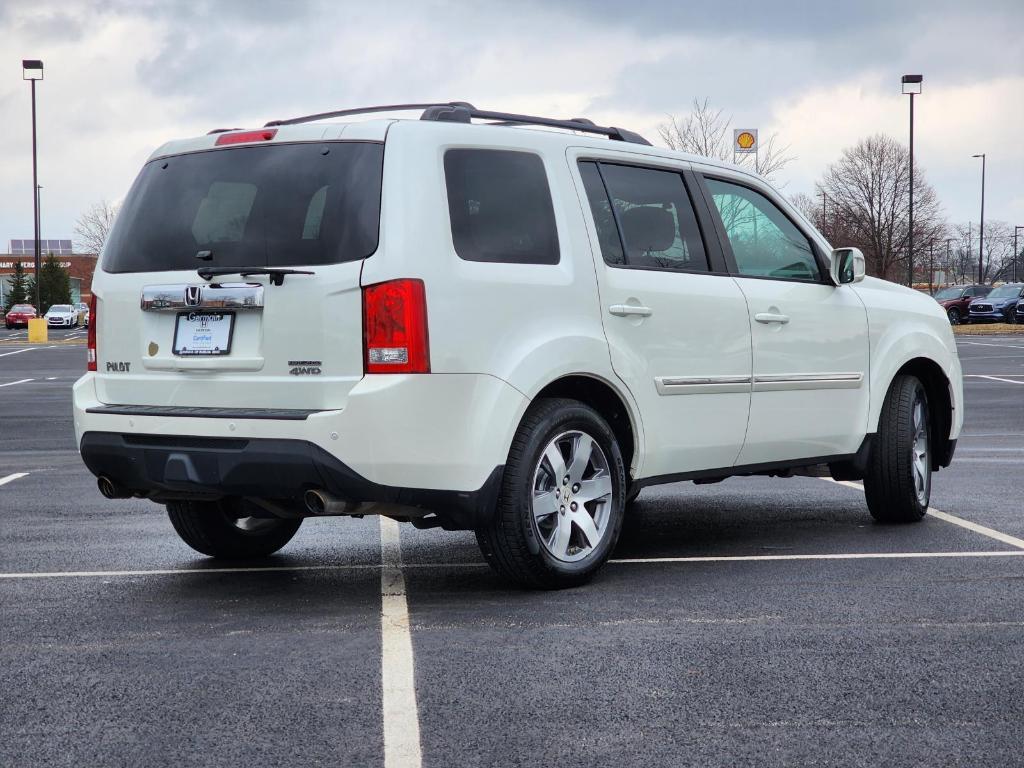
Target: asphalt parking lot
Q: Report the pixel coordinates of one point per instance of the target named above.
(754, 622)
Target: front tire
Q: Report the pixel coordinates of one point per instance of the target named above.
(954, 316)
(899, 478)
(562, 498)
(221, 529)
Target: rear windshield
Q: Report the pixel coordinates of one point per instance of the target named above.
(22, 308)
(264, 206)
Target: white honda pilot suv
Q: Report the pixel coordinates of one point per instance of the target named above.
(491, 322)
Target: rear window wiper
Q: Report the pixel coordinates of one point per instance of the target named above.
(277, 275)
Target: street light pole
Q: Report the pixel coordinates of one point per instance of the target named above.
(981, 228)
(949, 264)
(32, 70)
(1016, 253)
(911, 87)
(931, 265)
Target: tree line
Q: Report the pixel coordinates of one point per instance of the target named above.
(54, 286)
(862, 200)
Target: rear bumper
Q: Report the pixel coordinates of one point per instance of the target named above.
(167, 467)
(444, 432)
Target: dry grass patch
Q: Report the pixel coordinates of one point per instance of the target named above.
(988, 329)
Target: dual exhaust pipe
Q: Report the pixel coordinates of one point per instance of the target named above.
(321, 503)
(112, 490)
(318, 502)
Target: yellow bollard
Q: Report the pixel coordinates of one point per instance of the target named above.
(37, 332)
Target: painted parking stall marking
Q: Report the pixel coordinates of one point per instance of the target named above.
(19, 381)
(1013, 541)
(12, 478)
(696, 559)
(997, 378)
(398, 676)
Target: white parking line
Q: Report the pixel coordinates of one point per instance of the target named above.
(398, 676)
(996, 378)
(19, 381)
(990, 344)
(12, 478)
(482, 566)
(1013, 541)
(182, 571)
(18, 351)
(830, 556)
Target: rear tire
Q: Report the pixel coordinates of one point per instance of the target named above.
(221, 529)
(562, 498)
(954, 316)
(897, 483)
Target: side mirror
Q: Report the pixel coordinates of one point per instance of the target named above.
(846, 265)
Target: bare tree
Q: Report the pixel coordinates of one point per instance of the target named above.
(867, 191)
(94, 225)
(998, 263)
(706, 131)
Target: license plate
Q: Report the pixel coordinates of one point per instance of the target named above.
(203, 333)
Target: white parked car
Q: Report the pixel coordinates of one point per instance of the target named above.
(494, 322)
(61, 316)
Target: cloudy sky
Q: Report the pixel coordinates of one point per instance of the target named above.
(122, 76)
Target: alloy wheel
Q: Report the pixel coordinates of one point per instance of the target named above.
(919, 451)
(572, 496)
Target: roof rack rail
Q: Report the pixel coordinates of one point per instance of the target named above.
(364, 111)
(464, 112)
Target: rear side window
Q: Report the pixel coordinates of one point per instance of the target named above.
(654, 215)
(500, 207)
(264, 206)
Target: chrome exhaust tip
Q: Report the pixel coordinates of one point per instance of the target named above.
(320, 502)
(110, 489)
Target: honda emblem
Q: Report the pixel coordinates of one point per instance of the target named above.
(193, 293)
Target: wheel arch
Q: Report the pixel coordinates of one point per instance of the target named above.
(608, 401)
(940, 405)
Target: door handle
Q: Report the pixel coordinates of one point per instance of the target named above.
(622, 310)
(771, 317)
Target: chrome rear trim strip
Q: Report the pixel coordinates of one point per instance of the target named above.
(182, 297)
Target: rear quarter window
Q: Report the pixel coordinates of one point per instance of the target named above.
(499, 203)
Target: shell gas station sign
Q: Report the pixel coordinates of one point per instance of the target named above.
(744, 141)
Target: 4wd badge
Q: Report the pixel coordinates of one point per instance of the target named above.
(304, 367)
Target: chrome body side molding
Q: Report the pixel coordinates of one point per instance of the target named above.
(701, 385)
(704, 385)
(796, 381)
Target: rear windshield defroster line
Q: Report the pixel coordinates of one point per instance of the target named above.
(273, 205)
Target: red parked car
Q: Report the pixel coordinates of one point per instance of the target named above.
(20, 314)
(957, 298)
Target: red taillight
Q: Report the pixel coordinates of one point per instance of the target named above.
(395, 327)
(91, 338)
(266, 134)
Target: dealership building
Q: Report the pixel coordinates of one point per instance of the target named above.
(80, 266)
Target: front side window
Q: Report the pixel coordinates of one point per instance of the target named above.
(655, 217)
(500, 207)
(764, 241)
